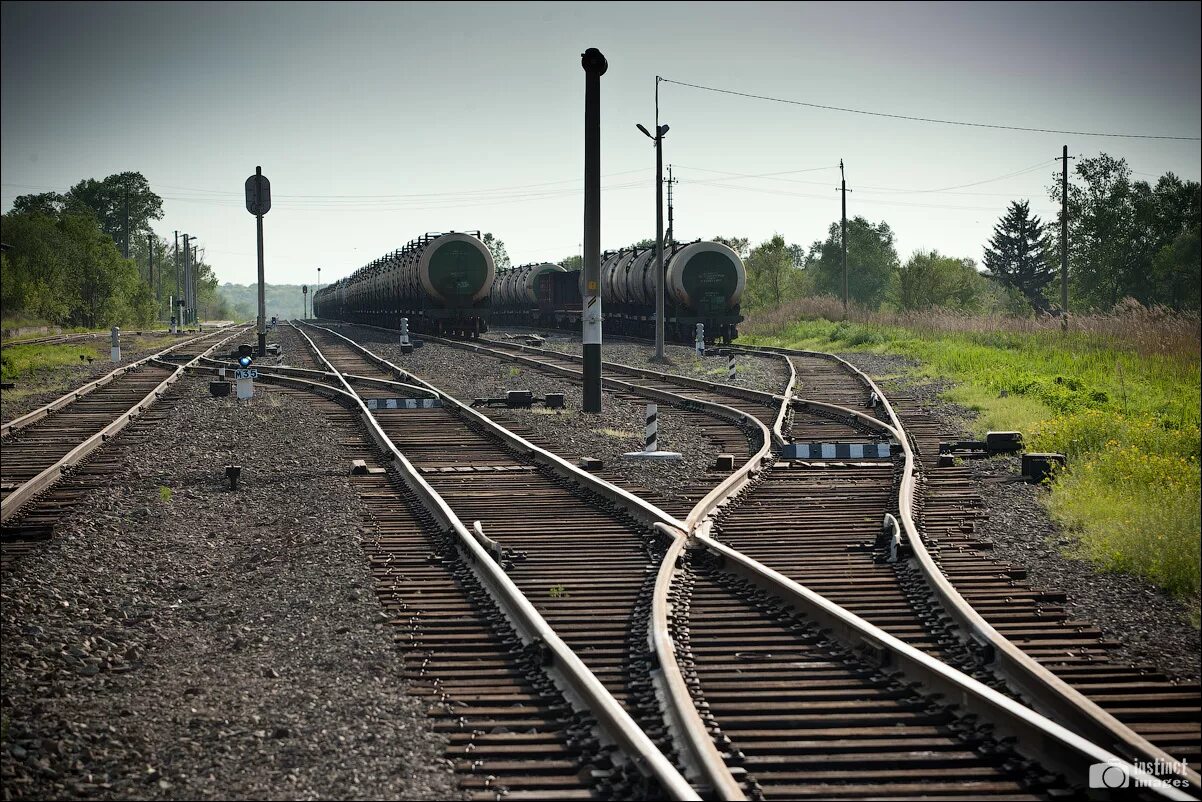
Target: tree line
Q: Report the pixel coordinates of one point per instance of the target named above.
(64, 263)
(1127, 239)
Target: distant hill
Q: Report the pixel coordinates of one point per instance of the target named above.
(283, 300)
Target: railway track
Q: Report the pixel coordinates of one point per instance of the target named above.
(524, 746)
(700, 754)
(1160, 718)
(1028, 635)
(41, 447)
(583, 660)
(57, 339)
(827, 526)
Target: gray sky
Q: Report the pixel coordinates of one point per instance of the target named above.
(376, 123)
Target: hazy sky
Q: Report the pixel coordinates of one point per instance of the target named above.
(377, 122)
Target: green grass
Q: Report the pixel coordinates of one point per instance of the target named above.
(19, 363)
(1128, 423)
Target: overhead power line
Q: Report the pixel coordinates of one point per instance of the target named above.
(926, 119)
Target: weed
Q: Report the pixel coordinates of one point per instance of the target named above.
(558, 592)
(165, 493)
(618, 433)
(515, 371)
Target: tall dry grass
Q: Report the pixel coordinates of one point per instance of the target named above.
(1130, 326)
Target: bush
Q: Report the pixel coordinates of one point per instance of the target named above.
(1135, 511)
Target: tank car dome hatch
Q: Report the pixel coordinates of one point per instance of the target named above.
(457, 269)
(706, 276)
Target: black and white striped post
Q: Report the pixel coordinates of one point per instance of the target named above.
(651, 429)
(730, 366)
(699, 340)
(651, 439)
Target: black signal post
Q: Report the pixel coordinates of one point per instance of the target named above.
(594, 65)
(258, 203)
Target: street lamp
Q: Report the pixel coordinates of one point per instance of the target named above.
(658, 139)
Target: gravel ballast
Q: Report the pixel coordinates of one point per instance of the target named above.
(1152, 627)
(179, 641)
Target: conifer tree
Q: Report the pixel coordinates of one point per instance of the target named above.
(1018, 254)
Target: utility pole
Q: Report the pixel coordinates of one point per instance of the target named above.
(125, 245)
(195, 270)
(595, 66)
(1064, 240)
(658, 139)
(843, 188)
(175, 298)
(671, 225)
(187, 282)
(150, 268)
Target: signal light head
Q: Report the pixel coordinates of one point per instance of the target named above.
(245, 361)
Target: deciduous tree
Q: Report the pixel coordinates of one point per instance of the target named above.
(496, 247)
(107, 201)
(928, 280)
(1117, 230)
(871, 262)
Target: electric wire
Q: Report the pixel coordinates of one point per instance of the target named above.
(925, 119)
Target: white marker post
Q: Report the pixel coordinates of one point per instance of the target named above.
(246, 382)
(115, 351)
(730, 366)
(699, 341)
(651, 439)
(406, 346)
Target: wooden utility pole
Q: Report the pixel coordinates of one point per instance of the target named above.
(671, 235)
(1064, 239)
(125, 244)
(175, 298)
(843, 188)
(150, 270)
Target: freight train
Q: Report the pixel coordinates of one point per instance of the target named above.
(704, 282)
(440, 282)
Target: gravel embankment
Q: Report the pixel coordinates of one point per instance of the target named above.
(571, 434)
(755, 373)
(1152, 626)
(49, 384)
(179, 641)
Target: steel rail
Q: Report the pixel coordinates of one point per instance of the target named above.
(54, 339)
(642, 510)
(17, 424)
(321, 375)
(1036, 735)
(705, 763)
(743, 393)
(579, 685)
(15, 500)
(1024, 675)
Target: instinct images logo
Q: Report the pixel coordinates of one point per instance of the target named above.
(1138, 774)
